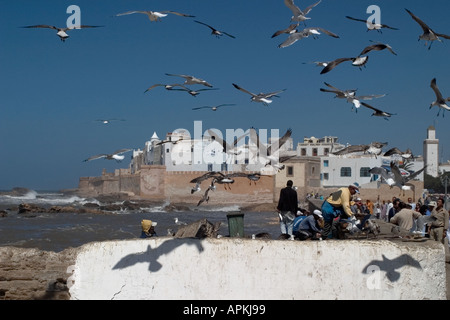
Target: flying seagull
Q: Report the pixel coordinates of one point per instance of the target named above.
(155, 15)
(213, 108)
(118, 156)
(440, 101)
(191, 79)
(169, 141)
(372, 148)
(378, 112)
(402, 181)
(193, 93)
(230, 149)
(352, 149)
(264, 98)
(405, 155)
(428, 34)
(357, 62)
(371, 25)
(297, 35)
(289, 30)
(350, 95)
(299, 15)
(61, 32)
(214, 31)
(166, 86)
(108, 121)
(378, 47)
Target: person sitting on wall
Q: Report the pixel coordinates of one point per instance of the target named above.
(148, 228)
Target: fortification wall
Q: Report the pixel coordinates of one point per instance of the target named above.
(237, 268)
(178, 188)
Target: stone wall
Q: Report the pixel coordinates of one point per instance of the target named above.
(29, 274)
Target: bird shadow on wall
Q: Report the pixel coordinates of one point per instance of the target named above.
(152, 255)
(391, 266)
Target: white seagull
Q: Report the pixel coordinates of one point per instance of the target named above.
(350, 95)
(357, 62)
(264, 98)
(299, 15)
(166, 86)
(191, 79)
(213, 108)
(118, 156)
(297, 35)
(405, 155)
(180, 223)
(289, 30)
(214, 31)
(193, 93)
(108, 121)
(61, 32)
(155, 15)
(402, 181)
(440, 101)
(378, 47)
(428, 34)
(378, 112)
(371, 25)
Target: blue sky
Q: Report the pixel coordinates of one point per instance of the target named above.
(52, 92)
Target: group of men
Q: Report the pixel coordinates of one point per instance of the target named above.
(336, 209)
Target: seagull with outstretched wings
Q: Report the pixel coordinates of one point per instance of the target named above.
(61, 32)
(118, 156)
(155, 15)
(264, 98)
(214, 31)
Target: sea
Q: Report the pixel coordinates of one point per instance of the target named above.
(60, 231)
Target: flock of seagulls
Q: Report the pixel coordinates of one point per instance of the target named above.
(294, 34)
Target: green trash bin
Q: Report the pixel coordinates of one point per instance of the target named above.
(236, 224)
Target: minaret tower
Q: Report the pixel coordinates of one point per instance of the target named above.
(431, 152)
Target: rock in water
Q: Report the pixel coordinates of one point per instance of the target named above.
(198, 229)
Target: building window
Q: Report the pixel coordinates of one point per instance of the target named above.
(289, 171)
(364, 172)
(224, 167)
(167, 150)
(210, 167)
(325, 163)
(313, 169)
(325, 176)
(314, 152)
(303, 152)
(326, 151)
(346, 172)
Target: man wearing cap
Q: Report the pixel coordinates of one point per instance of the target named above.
(337, 204)
(311, 227)
(148, 228)
(439, 227)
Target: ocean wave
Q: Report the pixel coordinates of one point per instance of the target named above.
(44, 198)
